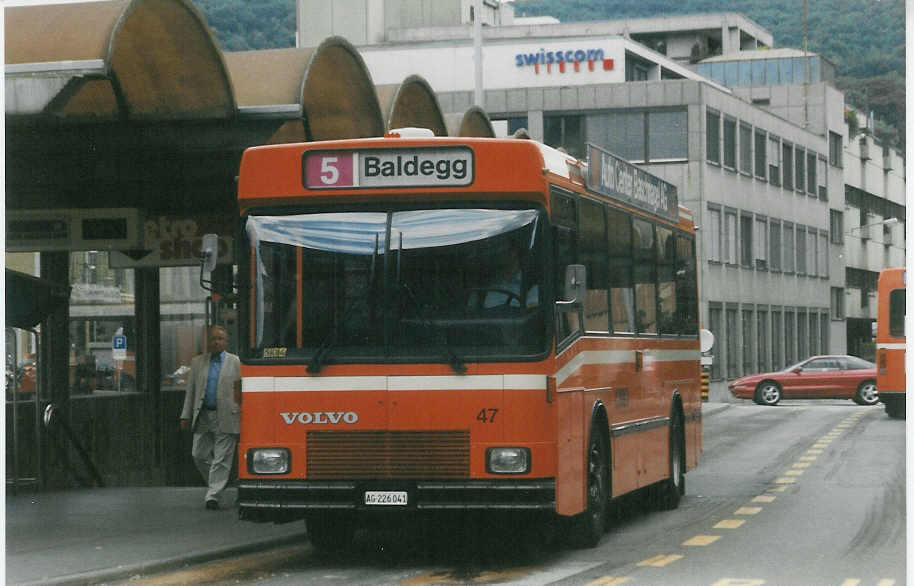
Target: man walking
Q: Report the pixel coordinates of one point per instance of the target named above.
(212, 409)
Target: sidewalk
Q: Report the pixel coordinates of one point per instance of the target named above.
(88, 536)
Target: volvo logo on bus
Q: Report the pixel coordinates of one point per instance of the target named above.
(320, 417)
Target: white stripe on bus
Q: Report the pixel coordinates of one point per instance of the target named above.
(891, 346)
(262, 384)
(616, 357)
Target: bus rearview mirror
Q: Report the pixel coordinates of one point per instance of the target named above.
(575, 282)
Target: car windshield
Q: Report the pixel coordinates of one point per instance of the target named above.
(423, 284)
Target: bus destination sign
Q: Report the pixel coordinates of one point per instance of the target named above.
(617, 178)
(418, 167)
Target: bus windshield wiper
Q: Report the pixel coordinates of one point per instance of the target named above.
(453, 360)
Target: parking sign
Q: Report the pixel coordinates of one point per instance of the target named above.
(119, 348)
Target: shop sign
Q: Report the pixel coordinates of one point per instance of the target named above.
(564, 60)
(171, 241)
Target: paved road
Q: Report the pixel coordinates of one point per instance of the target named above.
(805, 493)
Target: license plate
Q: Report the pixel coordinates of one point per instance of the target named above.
(385, 497)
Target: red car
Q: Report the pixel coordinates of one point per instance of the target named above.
(819, 377)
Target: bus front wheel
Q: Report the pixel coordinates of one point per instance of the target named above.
(587, 528)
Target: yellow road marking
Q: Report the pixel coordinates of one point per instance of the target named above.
(748, 511)
(801, 464)
(781, 488)
(738, 582)
(730, 524)
(609, 581)
(701, 540)
(448, 577)
(885, 582)
(808, 458)
(851, 582)
(658, 561)
(794, 472)
(785, 480)
(815, 451)
(763, 498)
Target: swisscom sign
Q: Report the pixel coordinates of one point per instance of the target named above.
(417, 167)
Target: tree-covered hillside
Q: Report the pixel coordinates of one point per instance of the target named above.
(863, 38)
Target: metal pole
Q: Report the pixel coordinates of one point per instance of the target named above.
(477, 52)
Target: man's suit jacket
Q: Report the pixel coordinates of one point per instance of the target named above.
(228, 411)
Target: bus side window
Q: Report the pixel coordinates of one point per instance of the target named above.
(593, 256)
(645, 283)
(896, 313)
(621, 285)
(564, 218)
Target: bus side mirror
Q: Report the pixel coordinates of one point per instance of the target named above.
(209, 252)
(575, 283)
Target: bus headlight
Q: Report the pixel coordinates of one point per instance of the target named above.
(268, 461)
(508, 460)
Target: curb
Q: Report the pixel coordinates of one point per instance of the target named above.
(121, 573)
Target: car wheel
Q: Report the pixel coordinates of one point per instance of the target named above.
(866, 393)
(768, 393)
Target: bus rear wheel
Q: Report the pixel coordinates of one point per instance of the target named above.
(587, 528)
(330, 532)
(667, 493)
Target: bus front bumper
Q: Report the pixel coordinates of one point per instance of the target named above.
(281, 501)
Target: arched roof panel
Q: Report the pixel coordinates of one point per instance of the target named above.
(59, 32)
(338, 97)
(411, 103)
(157, 57)
(474, 122)
(268, 78)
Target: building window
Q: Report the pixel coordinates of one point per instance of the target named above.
(787, 164)
(835, 149)
(761, 165)
(667, 135)
(774, 245)
(713, 136)
(730, 237)
(745, 239)
(565, 132)
(761, 330)
(790, 337)
(836, 226)
(811, 166)
(748, 345)
(811, 255)
(774, 160)
(732, 344)
(789, 248)
(714, 234)
(729, 143)
(715, 327)
(823, 326)
(641, 136)
(761, 244)
(802, 334)
(822, 251)
(777, 341)
(814, 333)
(745, 148)
(799, 168)
(823, 176)
(801, 250)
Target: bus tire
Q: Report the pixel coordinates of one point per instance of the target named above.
(895, 408)
(668, 492)
(330, 533)
(587, 528)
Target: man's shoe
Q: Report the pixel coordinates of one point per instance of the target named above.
(212, 505)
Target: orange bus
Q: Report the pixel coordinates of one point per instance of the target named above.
(890, 341)
(456, 324)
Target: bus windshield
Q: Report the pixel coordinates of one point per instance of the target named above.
(444, 285)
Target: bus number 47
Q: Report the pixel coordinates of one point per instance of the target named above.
(486, 415)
